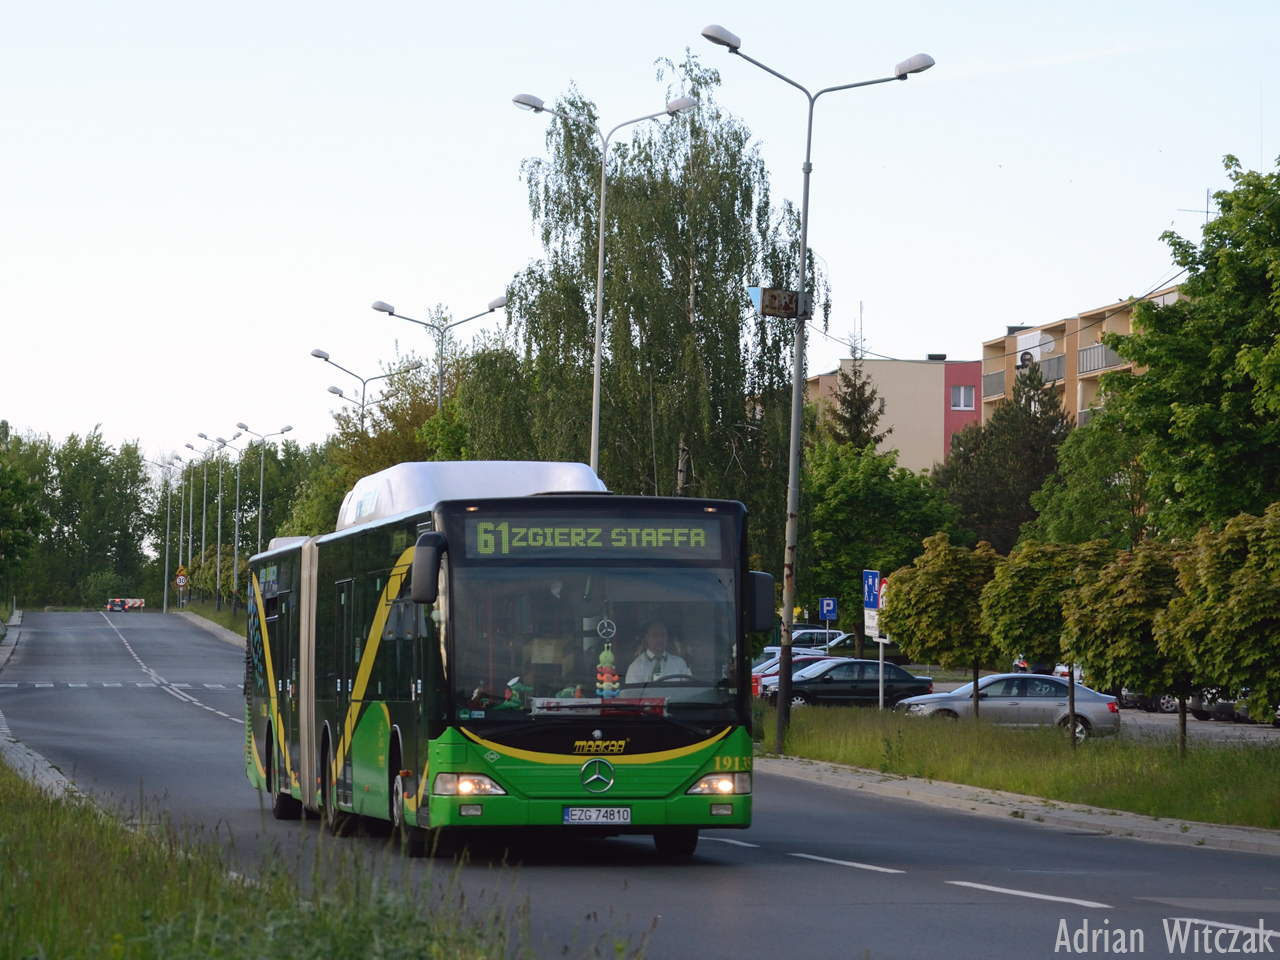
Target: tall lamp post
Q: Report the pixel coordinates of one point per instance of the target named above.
(217, 600)
(235, 543)
(917, 64)
(364, 381)
(262, 469)
(526, 101)
(168, 526)
(204, 500)
(182, 516)
(440, 330)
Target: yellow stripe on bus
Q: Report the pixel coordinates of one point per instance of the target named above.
(615, 759)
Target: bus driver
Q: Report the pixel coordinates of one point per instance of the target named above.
(654, 662)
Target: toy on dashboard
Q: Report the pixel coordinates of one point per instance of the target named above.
(606, 674)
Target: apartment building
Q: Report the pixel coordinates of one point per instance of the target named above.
(924, 401)
(1070, 353)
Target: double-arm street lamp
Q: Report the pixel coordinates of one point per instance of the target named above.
(168, 513)
(204, 498)
(364, 381)
(235, 548)
(526, 101)
(440, 329)
(917, 64)
(217, 600)
(262, 469)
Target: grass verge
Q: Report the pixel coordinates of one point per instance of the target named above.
(223, 618)
(75, 882)
(1229, 783)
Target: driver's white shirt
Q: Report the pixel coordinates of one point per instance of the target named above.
(647, 667)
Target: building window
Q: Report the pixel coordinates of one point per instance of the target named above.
(962, 398)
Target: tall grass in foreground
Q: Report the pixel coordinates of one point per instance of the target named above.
(75, 882)
(1235, 783)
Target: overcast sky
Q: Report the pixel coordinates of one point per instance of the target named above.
(193, 196)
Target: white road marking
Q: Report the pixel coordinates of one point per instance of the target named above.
(181, 686)
(215, 686)
(143, 683)
(8, 686)
(113, 684)
(4, 727)
(736, 843)
(43, 685)
(846, 863)
(77, 684)
(1028, 893)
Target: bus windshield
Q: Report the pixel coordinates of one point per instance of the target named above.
(547, 641)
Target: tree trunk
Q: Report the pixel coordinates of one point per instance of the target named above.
(1071, 704)
(975, 689)
(859, 640)
(1182, 727)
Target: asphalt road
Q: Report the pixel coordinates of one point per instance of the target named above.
(144, 710)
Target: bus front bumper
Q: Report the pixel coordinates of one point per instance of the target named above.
(731, 812)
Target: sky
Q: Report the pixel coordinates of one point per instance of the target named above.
(194, 196)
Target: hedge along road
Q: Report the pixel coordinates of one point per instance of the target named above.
(147, 705)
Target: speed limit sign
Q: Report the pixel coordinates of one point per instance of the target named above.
(181, 580)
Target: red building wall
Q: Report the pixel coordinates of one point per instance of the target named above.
(960, 373)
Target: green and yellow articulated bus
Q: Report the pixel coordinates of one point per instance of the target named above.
(494, 644)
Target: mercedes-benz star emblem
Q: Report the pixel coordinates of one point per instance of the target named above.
(606, 628)
(597, 775)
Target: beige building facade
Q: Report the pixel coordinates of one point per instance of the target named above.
(923, 401)
(1070, 353)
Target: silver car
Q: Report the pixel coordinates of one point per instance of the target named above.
(1022, 700)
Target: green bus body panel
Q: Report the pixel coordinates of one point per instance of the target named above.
(370, 748)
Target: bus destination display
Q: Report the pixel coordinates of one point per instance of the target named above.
(564, 538)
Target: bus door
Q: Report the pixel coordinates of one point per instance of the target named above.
(284, 652)
(346, 660)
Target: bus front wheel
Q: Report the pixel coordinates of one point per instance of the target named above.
(412, 840)
(676, 841)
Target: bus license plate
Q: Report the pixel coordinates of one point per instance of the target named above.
(606, 815)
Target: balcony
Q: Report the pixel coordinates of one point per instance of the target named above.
(1054, 368)
(993, 384)
(1083, 417)
(1099, 356)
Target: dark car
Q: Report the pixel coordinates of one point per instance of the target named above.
(117, 606)
(856, 683)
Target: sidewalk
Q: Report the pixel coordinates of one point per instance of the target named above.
(998, 803)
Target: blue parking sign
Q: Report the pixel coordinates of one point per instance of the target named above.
(827, 609)
(871, 589)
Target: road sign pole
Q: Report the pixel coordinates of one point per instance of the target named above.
(881, 646)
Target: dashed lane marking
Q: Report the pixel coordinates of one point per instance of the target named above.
(1028, 893)
(846, 863)
(736, 843)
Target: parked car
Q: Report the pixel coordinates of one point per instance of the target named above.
(846, 645)
(770, 667)
(769, 684)
(814, 637)
(1022, 665)
(1150, 702)
(854, 683)
(1023, 700)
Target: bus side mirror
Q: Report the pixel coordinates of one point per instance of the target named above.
(424, 583)
(760, 604)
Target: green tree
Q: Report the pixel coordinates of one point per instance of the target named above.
(994, 468)
(855, 414)
(867, 513)
(1099, 490)
(1111, 627)
(933, 608)
(1227, 618)
(20, 518)
(695, 390)
(1206, 406)
(1022, 605)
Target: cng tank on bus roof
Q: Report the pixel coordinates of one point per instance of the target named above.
(420, 486)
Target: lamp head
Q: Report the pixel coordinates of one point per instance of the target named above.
(681, 105)
(718, 34)
(236, 435)
(337, 392)
(383, 307)
(189, 447)
(243, 426)
(285, 429)
(917, 64)
(527, 101)
(221, 441)
(497, 304)
(416, 365)
(319, 354)
(203, 436)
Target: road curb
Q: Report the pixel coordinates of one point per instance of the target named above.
(7, 645)
(1033, 810)
(222, 633)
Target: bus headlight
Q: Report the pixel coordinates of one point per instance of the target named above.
(466, 785)
(722, 784)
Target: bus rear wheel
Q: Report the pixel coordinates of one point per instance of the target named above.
(676, 841)
(334, 818)
(283, 805)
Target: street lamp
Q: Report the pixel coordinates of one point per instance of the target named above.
(383, 307)
(217, 599)
(235, 541)
(917, 64)
(204, 502)
(168, 527)
(364, 381)
(262, 469)
(526, 101)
